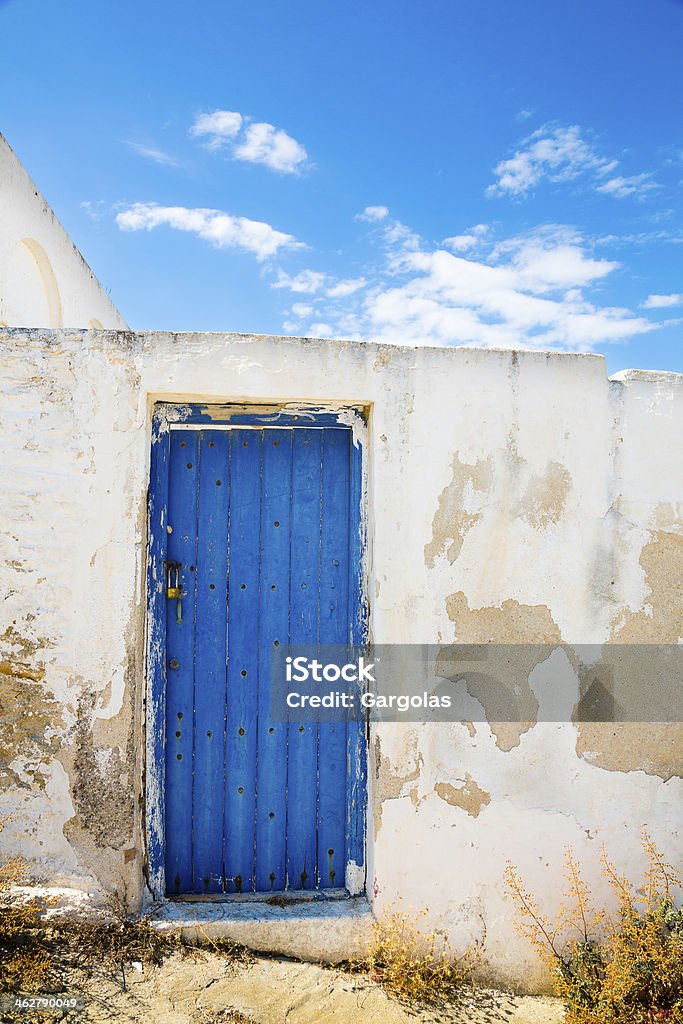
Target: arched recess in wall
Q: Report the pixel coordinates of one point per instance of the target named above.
(95, 325)
(48, 280)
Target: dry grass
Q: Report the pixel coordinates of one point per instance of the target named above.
(22, 962)
(67, 949)
(43, 956)
(612, 968)
(413, 965)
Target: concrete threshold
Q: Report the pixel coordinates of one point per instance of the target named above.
(318, 930)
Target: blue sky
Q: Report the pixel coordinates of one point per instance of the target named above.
(434, 172)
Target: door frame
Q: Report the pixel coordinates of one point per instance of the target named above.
(164, 416)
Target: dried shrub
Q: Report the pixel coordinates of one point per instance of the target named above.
(110, 943)
(414, 965)
(38, 954)
(23, 966)
(625, 966)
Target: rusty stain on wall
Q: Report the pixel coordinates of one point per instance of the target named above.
(470, 797)
(460, 508)
(545, 497)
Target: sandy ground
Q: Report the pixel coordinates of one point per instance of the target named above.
(206, 988)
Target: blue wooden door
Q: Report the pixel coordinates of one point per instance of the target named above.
(263, 523)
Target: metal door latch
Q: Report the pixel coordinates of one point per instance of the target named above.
(174, 590)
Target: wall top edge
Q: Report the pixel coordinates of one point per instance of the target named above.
(148, 336)
(147, 339)
(648, 376)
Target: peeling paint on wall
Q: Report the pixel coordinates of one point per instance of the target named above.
(101, 786)
(545, 497)
(389, 784)
(511, 623)
(633, 746)
(31, 718)
(655, 748)
(470, 797)
(460, 508)
(661, 618)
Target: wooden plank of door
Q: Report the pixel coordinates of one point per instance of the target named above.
(271, 769)
(302, 738)
(334, 629)
(210, 663)
(244, 547)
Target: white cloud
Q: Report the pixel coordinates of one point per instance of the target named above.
(550, 259)
(94, 210)
(638, 185)
(321, 330)
(400, 243)
(555, 153)
(302, 309)
(641, 239)
(373, 213)
(219, 127)
(349, 286)
(213, 226)
(321, 290)
(460, 243)
(468, 240)
(158, 156)
(531, 291)
(662, 301)
(451, 300)
(259, 143)
(264, 144)
(306, 282)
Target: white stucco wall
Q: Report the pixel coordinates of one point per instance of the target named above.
(512, 497)
(44, 280)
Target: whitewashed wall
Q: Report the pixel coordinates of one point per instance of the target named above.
(513, 497)
(44, 280)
